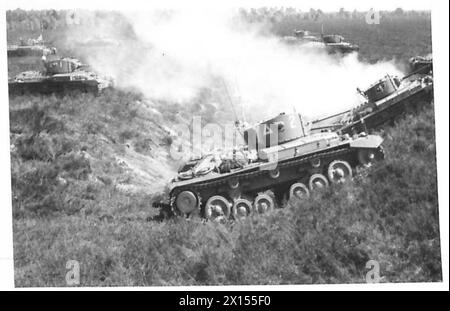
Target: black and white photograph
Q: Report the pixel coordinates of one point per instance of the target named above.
(210, 144)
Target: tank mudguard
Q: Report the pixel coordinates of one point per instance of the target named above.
(369, 141)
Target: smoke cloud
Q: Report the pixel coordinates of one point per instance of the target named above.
(171, 56)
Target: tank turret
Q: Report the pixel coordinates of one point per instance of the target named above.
(382, 88)
(274, 131)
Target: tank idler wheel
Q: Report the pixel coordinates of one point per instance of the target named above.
(217, 208)
(317, 181)
(263, 203)
(186, 203)
(339, 171)
(242, 208)
(298, 191)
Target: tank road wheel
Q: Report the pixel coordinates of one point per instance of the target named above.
(367, 157)
(217, 208)
(339, 171)
(242, 208)
(298, 191)
(263, 203)
(187, 203)
(317, 181)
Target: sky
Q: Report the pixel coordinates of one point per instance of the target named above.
(324, 5)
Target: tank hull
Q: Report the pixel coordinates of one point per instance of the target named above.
(48, 87)
(275, 178)
(341, 48)
(26, 51)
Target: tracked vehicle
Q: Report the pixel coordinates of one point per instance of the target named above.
(337, 44)
(385, 100)
(31, 47)
(278, 161)
(61, 75)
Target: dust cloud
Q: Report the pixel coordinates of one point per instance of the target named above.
(172, 55)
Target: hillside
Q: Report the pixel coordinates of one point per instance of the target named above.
(390, 216)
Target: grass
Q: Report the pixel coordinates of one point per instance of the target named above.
(390, 216)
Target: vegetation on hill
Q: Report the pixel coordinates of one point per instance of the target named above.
(390, 216)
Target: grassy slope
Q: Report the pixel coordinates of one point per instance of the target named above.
(84, 153)
(390, 216)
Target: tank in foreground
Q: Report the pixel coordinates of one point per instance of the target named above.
(267, 170)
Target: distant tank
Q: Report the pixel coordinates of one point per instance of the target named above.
(278, 161)
(332, 43)
(385, 100)
(60, 75)
(337, 44)
(31, 47)
(419, 66)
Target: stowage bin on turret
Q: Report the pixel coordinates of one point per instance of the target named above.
(279, 161)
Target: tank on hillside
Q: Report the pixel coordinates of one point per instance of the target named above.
(419, 66)
(59, 75)
(385, 100)
(280, 160)
(332, 43)
(30, 47)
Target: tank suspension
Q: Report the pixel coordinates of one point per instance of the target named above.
(318, 181)
(264, 203)
(298, 191)
(242, 208)
(233, 183)
(339, 171)
(217, 208)
(367, 157)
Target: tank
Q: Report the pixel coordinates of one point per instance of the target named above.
(332, 43)
(279, 161)
(59, 75)
(30, 47)
(301, 36)
(337, 44)
(385, 100)
(419, 66)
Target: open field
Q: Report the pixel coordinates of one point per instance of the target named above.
(85, 170)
